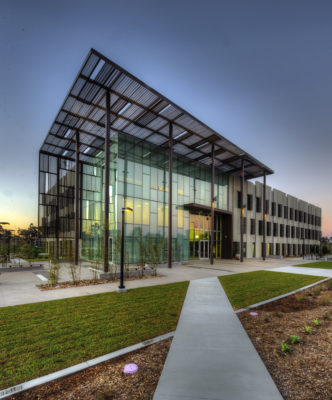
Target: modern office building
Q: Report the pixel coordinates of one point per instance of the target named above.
(186, 183)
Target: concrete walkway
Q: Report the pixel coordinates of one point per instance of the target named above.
(211, 356)
(305, 271)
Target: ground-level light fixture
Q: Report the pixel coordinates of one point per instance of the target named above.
(122, 288)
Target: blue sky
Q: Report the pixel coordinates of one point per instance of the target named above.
(258, 72)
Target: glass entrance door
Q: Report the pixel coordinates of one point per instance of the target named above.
(204, 249)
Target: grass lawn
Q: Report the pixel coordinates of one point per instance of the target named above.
(317, 264)
(251, 287)
(39, 338)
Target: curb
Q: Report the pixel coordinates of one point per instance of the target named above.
(261, 303)
(80, 367)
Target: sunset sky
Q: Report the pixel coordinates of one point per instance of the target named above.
(258, 72)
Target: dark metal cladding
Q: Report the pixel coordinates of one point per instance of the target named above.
(170, 172)
(77, 200)
(107, 183)
(242, 209)
(212, 206)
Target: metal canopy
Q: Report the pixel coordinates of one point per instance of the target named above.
(139, 111)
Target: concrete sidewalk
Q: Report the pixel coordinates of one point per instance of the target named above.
(305, 271)
(211, 356)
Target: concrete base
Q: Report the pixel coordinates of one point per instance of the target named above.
(122, 290)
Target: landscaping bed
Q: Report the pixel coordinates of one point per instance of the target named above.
(302, 370)
(107, 381)
(88, 282)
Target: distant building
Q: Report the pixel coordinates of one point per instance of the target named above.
(149, 143)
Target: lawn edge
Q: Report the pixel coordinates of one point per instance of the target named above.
(21, 387)
(261, 303)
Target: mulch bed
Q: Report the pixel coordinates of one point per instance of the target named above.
(88, 282)
(306, 372)
(107, 381)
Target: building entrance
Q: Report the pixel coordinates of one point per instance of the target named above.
(204, 249)
(200, 236)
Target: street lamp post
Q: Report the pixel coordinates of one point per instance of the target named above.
(122, 288)
(8, 256)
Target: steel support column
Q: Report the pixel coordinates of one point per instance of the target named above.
(212, 207)
(107, 180)
(242, 210)
(77, 199)
(264, 218)
(57, 212)
(170, 173)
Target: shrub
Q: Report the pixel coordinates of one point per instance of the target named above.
(294, 339)
(285, 348)
(277, 314)
(308, 329)
(301, 298)
(325, 301)
(317, 290)
(329, 284)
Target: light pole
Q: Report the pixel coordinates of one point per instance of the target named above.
(122, 288)
(9, 237)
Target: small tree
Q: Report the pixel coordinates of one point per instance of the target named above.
(3, 255)
(155, 249)
(28, 252)
(142, 252)
(74, 270)
(54, 271)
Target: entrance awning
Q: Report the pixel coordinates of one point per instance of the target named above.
(196, 208)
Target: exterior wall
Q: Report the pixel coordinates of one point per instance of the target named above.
(139, 179)
(299, 222)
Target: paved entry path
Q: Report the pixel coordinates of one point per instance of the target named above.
(305, 271)
(211, 356)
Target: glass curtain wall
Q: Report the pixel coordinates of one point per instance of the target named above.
(138, 179)
(93, 181)
(142, 184)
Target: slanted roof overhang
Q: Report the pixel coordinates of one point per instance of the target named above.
(139, 111)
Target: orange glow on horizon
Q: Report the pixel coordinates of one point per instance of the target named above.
(18, 221)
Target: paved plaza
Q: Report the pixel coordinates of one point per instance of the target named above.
(19, 286)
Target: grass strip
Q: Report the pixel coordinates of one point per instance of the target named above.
(40, 338)
(252, 287)
(317, 264)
